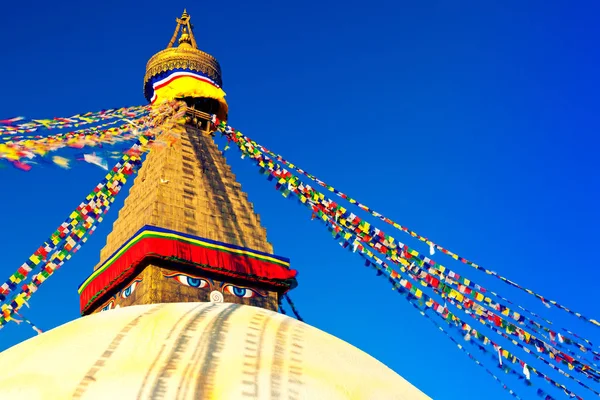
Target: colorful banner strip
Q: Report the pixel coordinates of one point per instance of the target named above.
(555, 355)
(505, 368)
(79, 224)
(382, 243)
(62, 253)
(290, 188)
(386, 244)
(19, 152)
(59, 136)
(442, 310)
(85, 213)
(230, 132)
(445, 313)
(17, 126)
(28, 322)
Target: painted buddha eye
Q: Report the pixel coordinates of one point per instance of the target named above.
(189, 280)
(129, 289)
(241, 291)
(109, 306)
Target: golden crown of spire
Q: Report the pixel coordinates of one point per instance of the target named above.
(186, 55)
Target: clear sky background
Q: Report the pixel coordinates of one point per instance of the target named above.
(474, 123)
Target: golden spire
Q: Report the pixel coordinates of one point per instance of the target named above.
(184, 26)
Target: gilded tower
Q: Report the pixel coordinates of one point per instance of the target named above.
(187, 232)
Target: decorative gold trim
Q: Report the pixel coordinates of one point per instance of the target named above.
(192, 59)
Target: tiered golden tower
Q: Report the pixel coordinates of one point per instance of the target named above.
(187, 232)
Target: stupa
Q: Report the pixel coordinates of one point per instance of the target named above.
(184, 301)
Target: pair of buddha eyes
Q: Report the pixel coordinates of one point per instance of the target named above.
(125, 293)
(197, 282)
(187, 280)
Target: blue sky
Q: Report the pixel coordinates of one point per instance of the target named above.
(473, 123)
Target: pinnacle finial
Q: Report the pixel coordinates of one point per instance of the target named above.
(184, 39)
(187, 36)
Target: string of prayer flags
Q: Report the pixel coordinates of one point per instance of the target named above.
(448, 288)
(108, 127)
(493, 317)
(383, 242)
(71, 245)
(86, 211)
(35, 328)
(248, 144)
(236, 135)
(287, 184)
(16, 126)
(537, 344)
(443, 311)
(418, 293)
(23, 150)
(470, 355)
(73, 233)
(456, 285)
(411, 299)
(68, 246)
(448, 316)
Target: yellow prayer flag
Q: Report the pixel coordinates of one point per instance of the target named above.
(34, 259)
(19, 299)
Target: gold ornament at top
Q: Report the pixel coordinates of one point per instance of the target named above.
(185, 55)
